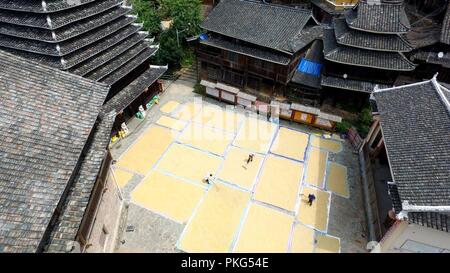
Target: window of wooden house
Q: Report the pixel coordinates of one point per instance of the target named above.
(232, 57)
(253, 82)
(232, 77)
(255, 62)
(213, 72)
(268, 66)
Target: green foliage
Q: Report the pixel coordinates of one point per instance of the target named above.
(186, 15)
(188, 58)
(148, 15)
(364, 121)
(169, 52)
(343, 126)
(199, 89)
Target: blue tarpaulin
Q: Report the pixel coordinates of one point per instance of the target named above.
(204, 37)
(309, 67)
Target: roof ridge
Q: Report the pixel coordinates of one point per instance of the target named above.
(263, 3)
(442, 97)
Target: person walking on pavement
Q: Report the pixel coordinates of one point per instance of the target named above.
(250, 158)
(311, 198)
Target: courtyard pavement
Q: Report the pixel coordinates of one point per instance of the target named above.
(250, 207)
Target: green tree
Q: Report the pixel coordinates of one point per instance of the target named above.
(148, 15)
(169, 52)
(186, 15)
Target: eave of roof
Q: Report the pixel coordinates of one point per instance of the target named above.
(350, 84)
(253, 52)
(46, 6)
(371, 41)
(364, 58)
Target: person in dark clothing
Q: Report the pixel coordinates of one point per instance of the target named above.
(311, 198)
(250, 158)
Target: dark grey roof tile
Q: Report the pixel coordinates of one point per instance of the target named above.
(372, 41)
(416, 127)
(46, 116)
(363, 57)
(383, 17)
(267, 25)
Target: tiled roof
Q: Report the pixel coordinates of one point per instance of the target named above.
(57, 19)
(41, 6)
(109, 54)
(121, 60)
(66, 47)
(371, 41)
(445, 36)
(252, 51)
(127, 95)
(382, 17)
(64, 33)
(306, 36)
(266, 25)
(362, 57)
(351, 84)
(81, 54)
(46, 117)
(122, 71)
(80, 192)
(415, 120)
(439, 221)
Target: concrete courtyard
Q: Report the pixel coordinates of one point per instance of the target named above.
(260, 206)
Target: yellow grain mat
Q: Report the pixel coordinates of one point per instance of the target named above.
(255, 135)
(169, 107)
(326, 144)
(327, 244)
(315, 167)
(171, 123)
(337, 179)
(236, 170)
(122, 177)
(168, 196)
(264, 230)
(290, 143)
(189, 163)
(188, 111)
(279, 182)
(216, 220)
(218, 118)
(147, 150)
(209, 139)
(302, 239)
(317, 214)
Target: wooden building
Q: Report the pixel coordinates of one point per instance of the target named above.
(98, 40)
(253, 46)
